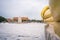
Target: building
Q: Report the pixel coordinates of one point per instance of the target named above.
(9, 20)
(24, 19)
(15, 19)
(20, 19)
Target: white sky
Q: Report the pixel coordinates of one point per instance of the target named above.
(28, 8)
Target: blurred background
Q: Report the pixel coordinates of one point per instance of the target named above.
(27, 8)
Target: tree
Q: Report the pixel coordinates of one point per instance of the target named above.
(2, 19)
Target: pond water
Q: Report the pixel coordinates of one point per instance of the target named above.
(23, 31)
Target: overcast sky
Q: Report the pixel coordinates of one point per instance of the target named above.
(28, 8)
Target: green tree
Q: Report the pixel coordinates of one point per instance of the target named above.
(2, 19)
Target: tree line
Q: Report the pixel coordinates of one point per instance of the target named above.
(3, 19)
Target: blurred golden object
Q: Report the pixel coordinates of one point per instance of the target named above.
(57, 28)
(46, 14)
(43, 11)
(54, 6)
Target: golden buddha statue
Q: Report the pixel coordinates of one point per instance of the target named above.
(51, 14)
(54, 6)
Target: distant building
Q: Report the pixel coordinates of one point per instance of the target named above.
(15, 19)
(24, 19)
(20, 19)
(9, 20)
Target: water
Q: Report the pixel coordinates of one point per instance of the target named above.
(23, 31)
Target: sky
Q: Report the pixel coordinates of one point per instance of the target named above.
(22, 8)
